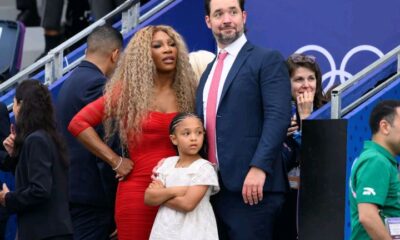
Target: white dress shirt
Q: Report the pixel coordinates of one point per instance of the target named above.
(233, 50)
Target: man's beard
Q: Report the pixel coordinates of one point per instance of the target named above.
(228, 39)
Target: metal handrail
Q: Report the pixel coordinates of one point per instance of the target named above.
(54, 69)
(154, 10)
(370, 93)
(141, 19)
(53, 61)
(22, 74)
(336, 104)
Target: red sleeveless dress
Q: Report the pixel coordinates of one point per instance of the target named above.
(133, 218)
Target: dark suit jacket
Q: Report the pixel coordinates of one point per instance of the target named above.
(4, 165)
(4, 132)
(40, 198)
(4, 124)
(252, 117)
(91, 180)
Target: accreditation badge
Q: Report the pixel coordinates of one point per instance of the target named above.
(294, 178)
(393, 226)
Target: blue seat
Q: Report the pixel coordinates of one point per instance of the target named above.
(12, 36)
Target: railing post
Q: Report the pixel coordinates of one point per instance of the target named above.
(49, 72)
(58, 65)
(398, 62)
(54, 68)
(130, 18)
(336, 104)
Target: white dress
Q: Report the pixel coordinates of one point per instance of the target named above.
(199, 224)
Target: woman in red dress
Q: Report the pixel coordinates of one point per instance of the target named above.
(153, 82)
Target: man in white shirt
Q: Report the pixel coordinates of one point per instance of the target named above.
(244, 98)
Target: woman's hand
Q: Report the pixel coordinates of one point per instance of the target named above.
(305, 104)
(3, 194)
(8, 144)
(293, 127)
(123, 168)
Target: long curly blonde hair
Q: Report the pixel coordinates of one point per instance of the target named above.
(129, 92)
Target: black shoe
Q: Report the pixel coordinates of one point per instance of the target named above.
(29, 18)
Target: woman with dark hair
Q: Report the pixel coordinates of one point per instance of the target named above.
(307, 92)
(306, 82)
(307, 96)
(40, 198)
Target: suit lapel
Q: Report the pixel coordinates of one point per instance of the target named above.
(240, 59)
(200, 89)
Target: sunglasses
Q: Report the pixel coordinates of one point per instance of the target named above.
(301, 58)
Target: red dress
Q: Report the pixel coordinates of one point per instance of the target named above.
(133, 218)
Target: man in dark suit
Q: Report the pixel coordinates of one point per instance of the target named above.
(92, 182)
(244, 98)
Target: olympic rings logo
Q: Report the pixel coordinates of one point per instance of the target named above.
(341, 72)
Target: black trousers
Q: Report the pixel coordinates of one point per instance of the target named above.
(52, 10)
(3, 221)
(100, 8)
(91, 222)
(286, 225)
(26, 4)
(63, 237)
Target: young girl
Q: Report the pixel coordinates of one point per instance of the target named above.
(183, 186)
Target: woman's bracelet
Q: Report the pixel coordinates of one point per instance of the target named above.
(119, 164)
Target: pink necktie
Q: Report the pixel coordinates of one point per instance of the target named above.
(212, 108)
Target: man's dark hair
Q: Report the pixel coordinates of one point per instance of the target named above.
(385, 110)
(207, 6)
(104, 39)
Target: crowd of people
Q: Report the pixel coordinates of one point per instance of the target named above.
(78, 15)
(155, 144)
